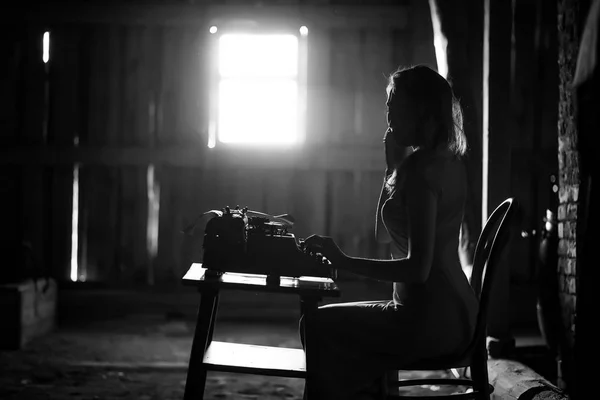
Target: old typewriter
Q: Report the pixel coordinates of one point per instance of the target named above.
(245, 241)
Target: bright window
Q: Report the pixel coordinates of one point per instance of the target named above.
(259, 90)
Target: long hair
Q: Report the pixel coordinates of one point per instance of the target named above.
(436, 108)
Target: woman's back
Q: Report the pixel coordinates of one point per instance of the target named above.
(446, 294)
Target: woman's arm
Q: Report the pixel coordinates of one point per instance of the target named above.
(421, 202)
(381, 233)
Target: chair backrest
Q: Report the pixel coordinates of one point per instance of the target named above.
(491, 243)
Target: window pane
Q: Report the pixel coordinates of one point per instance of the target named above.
(258, 112)
(258, 55)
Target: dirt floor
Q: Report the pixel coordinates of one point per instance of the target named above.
(115, 345)
(142, 358)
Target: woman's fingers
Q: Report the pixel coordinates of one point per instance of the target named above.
(311, 238)
(315, 243)
(324, 248)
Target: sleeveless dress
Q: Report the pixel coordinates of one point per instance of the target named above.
(359, 341)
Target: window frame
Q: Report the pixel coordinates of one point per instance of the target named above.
(215, 80)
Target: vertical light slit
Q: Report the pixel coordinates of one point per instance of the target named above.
(75, 225)
(440, 42)
(153, 192)
(486, 113)
(46, 47)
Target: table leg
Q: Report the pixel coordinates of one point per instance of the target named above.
(213, 319)
(196, 374)
(308, 306)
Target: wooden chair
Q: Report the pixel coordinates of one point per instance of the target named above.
(490, 244)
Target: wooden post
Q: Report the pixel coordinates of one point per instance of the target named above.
(587, 84)
(461, 25)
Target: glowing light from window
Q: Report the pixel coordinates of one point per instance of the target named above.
(303, 30)
(213, 29)
(258, 89)
(254, 56)
(258, 112)
(46, 47)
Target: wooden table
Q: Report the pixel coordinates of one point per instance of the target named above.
(208, 355)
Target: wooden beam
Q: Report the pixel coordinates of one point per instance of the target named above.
(342, 159)
(513, 380)
(323, 16)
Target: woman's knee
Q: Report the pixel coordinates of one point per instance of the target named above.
(329, 324)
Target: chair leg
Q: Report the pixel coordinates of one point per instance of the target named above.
(479, 375)
(384, 386)
(467, 372)
(388, 385)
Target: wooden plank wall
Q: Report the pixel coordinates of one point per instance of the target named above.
(32, 234)
(144, 86)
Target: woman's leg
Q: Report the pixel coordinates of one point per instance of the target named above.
(354, 339)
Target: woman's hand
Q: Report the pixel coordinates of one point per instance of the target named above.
(327, 247)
